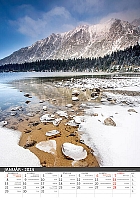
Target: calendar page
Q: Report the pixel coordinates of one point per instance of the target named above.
(25, 183)
(70, 103)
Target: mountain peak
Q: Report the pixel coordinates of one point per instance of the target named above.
(136, 22)
(84, 40)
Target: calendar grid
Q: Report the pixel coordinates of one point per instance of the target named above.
(74, 184)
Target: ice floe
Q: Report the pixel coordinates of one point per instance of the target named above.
(47, 118)
(75, 99)
(73, 151)
(62, 113)
(53, 132)
(47, 146)
(51, 119)
(57, 121)
(72, 123)
(69, 105)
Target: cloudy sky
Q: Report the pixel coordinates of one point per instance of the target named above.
(23, 22)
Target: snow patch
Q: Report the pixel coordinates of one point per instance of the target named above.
(114, 146)
(12, 155)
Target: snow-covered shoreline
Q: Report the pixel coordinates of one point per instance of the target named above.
(11, 154)
(114, 146)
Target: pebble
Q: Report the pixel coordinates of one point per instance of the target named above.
(45, 108)
(41, 101)
(69, 105)
(27, 95)
(13, 113)
(27, 131)
(27, 102)
(30, 114)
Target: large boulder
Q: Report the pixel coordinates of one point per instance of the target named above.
(132, 110)
(109, 122)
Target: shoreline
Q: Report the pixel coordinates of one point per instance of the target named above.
(116, 98)
(67, 134)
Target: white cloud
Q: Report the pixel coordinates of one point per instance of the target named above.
(87, 6)
(56, 20)
(37, 25)
(58, 11)
(30, 27)
(128, 15)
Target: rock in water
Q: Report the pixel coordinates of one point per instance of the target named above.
(94, 94)
(44, 108)
(75, 99)
(27, 95)
(46, 118)
(57, 121)
(69, 105)
(73, 151)
(62, 113)
(3, 123)
(109, 122)
(29, 142)
(75, 92)
(27, 102)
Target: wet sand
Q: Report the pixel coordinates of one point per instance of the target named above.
(35, 132)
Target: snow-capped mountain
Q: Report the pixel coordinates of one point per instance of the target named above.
(136, 22)
(86, 41)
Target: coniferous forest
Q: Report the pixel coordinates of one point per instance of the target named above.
(123, 60)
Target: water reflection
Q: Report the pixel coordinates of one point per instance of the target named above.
(44, 90)
(41, 91)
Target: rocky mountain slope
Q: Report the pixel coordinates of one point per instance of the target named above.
(136, 22)
(84, 41)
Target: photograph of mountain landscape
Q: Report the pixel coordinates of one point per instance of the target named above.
(69, 83)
